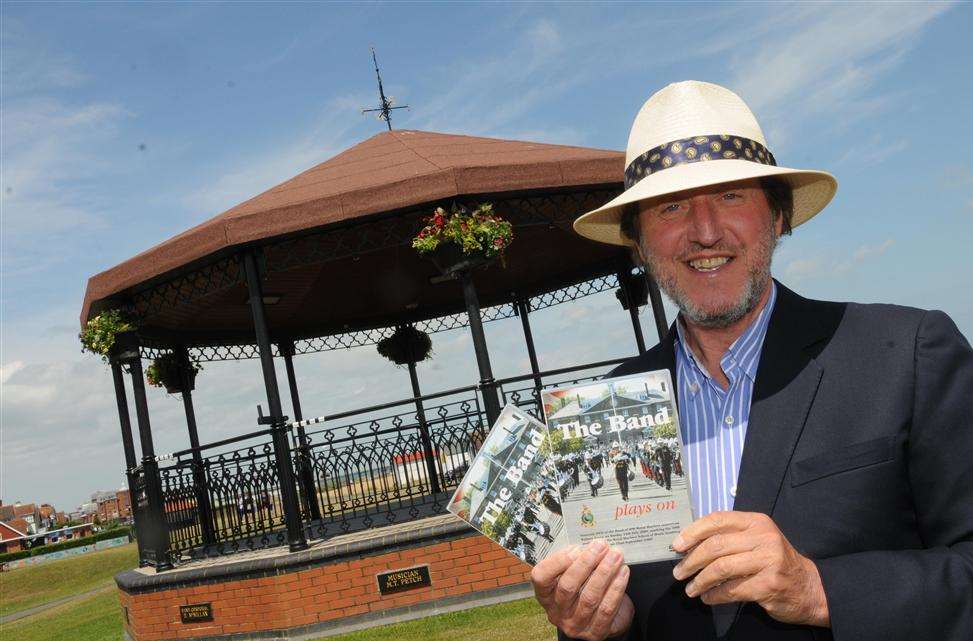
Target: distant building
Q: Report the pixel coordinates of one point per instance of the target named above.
(29, 512)
(113, 506)
(12, 539)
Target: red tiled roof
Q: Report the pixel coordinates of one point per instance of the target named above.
(16, 526)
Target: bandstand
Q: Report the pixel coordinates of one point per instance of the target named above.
(285, 531)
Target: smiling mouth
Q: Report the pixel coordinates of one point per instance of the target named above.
(709, 264)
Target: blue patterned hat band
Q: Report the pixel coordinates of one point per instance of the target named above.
(696, 149)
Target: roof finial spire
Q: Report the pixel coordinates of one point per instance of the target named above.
(385, 111)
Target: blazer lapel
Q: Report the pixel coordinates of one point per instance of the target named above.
(786, 383)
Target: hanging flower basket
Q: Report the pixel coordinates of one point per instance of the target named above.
(462, 240)
(110, 334)
(451, 259)
(169, 372)
(406, 345)
(637, 287)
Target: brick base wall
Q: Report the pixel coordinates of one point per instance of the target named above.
(311, 596)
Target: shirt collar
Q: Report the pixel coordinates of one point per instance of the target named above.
(744, 352)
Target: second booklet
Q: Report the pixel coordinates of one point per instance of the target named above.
(618, 443)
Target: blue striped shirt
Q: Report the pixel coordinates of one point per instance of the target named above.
(713, 421)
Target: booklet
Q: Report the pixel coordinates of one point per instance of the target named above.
(617, 443)
(510, 492)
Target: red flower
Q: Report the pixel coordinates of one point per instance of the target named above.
(498, 242)
(439, 220)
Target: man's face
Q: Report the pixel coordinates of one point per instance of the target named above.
(710, 249)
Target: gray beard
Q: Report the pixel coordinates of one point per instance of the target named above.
(758, 278)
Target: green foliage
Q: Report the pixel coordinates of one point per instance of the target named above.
(478, 231)
(35, 585)
(98, 335)
(13, 556)
(559, 445)
(406, 345)
(498, 528)
(94, 618)
(664, 430)
(165, 370)
(522, 620)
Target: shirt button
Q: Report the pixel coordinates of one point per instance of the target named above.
(728, 420)
(693, 387)
(733, 491)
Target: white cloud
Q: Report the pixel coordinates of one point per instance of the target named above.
(825, 59)
(865, 252)
(28, 64)
(874, 152)
(241, 179)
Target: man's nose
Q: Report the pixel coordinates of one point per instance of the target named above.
(704, 224)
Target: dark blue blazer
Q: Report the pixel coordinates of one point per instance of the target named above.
(860, 447)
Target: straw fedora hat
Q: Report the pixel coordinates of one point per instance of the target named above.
(695, 134)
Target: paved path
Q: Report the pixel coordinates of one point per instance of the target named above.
(37, 609)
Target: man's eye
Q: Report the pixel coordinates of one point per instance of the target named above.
(731, 195)
(670, 208)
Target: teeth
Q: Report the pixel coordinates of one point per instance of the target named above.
(708, 264)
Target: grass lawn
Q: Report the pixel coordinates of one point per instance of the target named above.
(33, 585)
(97, 618)
(522, 620)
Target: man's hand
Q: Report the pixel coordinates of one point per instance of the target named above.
(742, 556)
(582, 589)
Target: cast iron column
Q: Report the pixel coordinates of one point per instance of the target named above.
(658, 312)
(522, 310)
(128, 445)
(278, 427)
(204, 509)
(625, 283)
(428, 453)
(488, 385)
(156, 528)
(309, 489)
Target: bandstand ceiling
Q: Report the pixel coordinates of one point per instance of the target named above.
(336, 240)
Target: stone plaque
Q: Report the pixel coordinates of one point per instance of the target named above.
(196, 612)
(401, 580)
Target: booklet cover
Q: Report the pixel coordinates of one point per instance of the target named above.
(511, 492)
(617, 442)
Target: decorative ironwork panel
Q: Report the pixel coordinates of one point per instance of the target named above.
(374, 472)
(245, 495)
(180, 505)
(187, 288)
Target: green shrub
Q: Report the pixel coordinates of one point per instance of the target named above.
(13, 556)
(65, 545)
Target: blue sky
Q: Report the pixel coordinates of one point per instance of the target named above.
(124, 124)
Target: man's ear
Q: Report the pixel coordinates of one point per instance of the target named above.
(636, 254)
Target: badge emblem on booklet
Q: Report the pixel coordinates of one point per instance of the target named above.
(608, 464)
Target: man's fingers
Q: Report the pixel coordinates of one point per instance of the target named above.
(604, 615)
(570, 582)
(713, 523)
(711, 549)
(545, 574)
(623, 617)
(598, 583)
(724, 569)
(733, 591)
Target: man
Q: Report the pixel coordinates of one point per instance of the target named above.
(829, 446)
